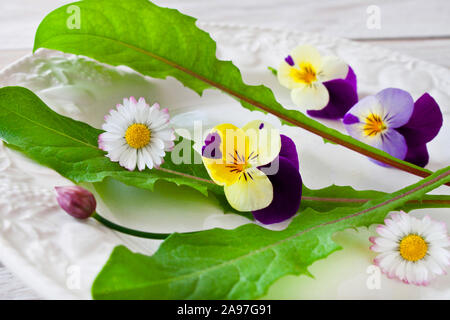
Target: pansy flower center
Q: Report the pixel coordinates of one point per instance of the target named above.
(413, 247)
(304, 74)
(137, 135)
(240, 165)
(374, 125)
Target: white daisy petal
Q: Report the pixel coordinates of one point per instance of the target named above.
(441, 255)
(123, 158)
(140, 160)
(114, 128)
(147, 158)
(160, 121)
(115, 154)
(157, 145)
(132, 160)
(434, 266)
(142, 102)
(410, 272)
(127, 112)
(384, 243)
(385, 259)
(137, 135)
(165, 134)
(116, 118)
(108, 137)
(386, 232)
(393, 227)
(400, 271)
(402, 222)
(390, 270)
(115, 145)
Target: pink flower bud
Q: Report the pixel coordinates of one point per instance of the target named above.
(76, 201)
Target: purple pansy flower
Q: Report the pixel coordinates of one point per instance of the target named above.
(323, 86)
(392, 122)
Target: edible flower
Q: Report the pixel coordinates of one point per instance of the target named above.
(392, 122)
(76, 201)
(137, 134)
(412, 250)
(257, 167)
(324, 86)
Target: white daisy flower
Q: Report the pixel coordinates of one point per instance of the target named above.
(137, 134)
(411, 249)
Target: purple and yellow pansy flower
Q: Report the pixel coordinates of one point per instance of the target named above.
(257, 167)
(393, 122)
(324, 86)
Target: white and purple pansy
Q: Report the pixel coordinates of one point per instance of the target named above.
(392, 122)
(257, 167)
(324, 86)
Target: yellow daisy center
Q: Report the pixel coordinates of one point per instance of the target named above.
(413, 247)
(374, 125)
(137, 135)
(305, 74)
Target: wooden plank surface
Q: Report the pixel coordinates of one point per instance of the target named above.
(414, 27)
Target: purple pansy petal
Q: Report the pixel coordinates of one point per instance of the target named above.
(425, 122)
(288, 150)
(418, 155)
(211, 149)
(343, 96)
(287, 190)
(350, 119)
(289, 61)
(398, 106)
(351, 78)
(393, 143)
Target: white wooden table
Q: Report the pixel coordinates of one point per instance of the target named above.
(414, 27)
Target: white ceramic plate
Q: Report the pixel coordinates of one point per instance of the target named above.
(59, 257)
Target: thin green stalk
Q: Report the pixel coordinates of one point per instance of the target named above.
(132, 232)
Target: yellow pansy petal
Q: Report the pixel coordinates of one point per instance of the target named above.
(313, 97)
(285, 77)
(264, 142)
(252, 191)
(307, 54)
(232, 148)
(333, 68)
(220, 172)
(224, 130)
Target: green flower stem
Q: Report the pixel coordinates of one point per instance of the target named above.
(132, 232)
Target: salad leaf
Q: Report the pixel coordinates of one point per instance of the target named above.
(242, 263)
(329, 198)
(162, 42)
